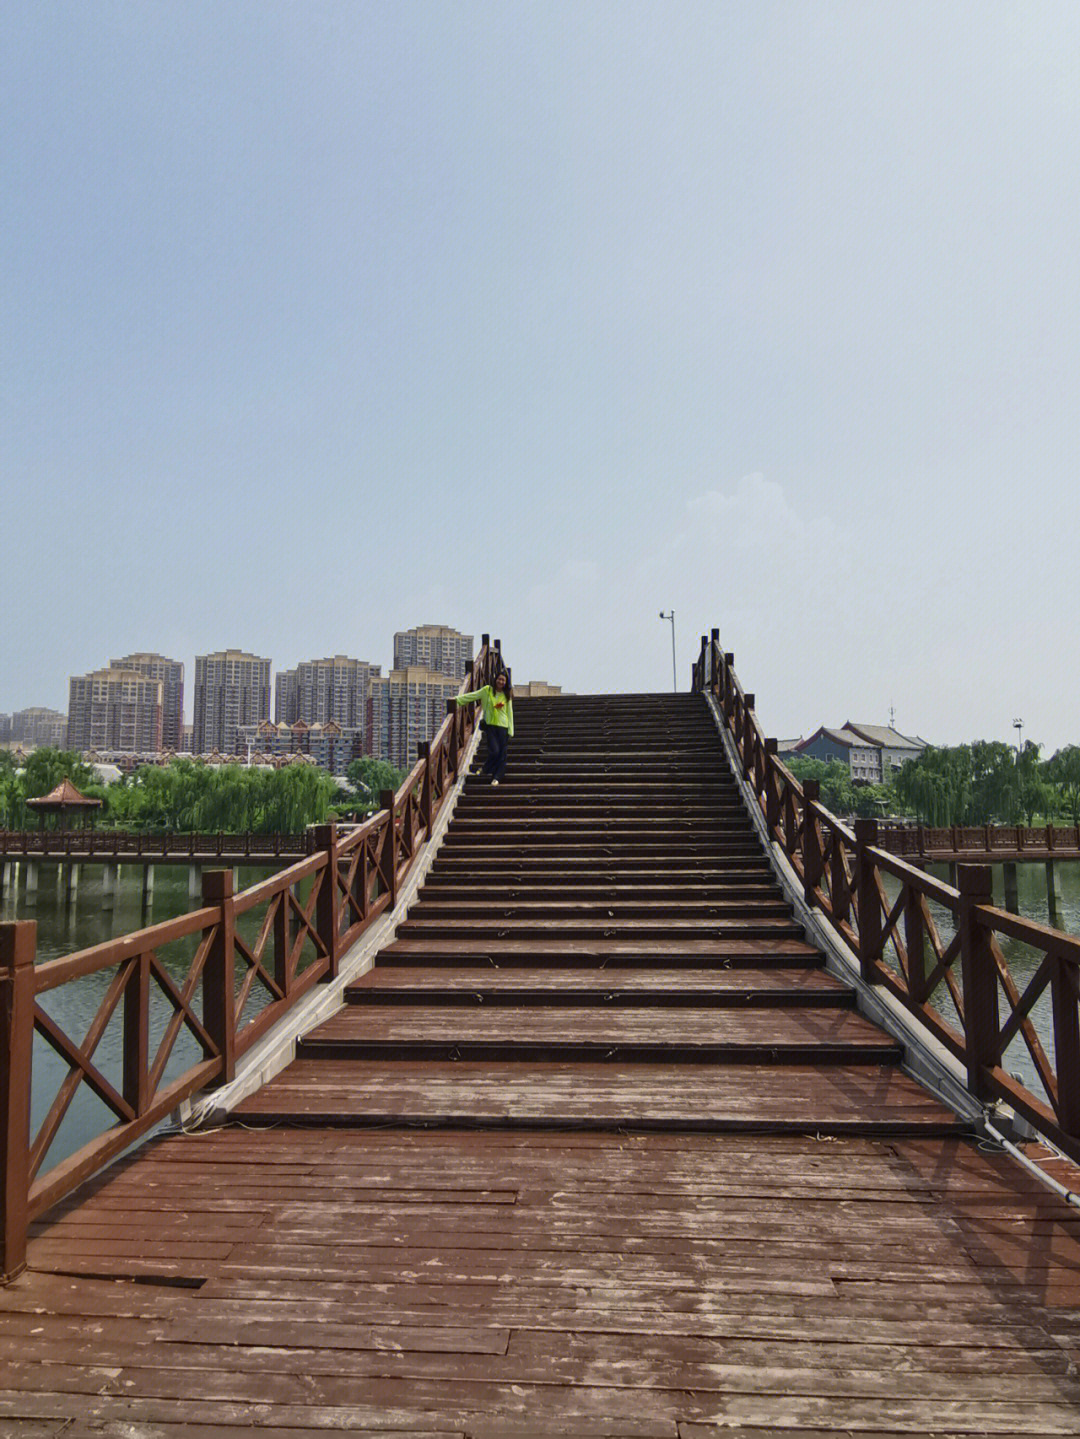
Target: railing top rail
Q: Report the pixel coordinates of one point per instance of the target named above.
(1029, 931)
(51, 973)
(257, 894)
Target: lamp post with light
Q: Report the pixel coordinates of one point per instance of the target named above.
(670, 615)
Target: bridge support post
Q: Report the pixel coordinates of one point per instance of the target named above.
(1012, 892)
(18, 942)
(219, 991)
(980, 978)
(29, 876)
(71, 881)
(326, 906)
(1053, 895)
(194, 881)
(109, 876)
(3, 875)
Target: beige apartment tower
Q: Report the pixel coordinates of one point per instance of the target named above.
(171, 675)
(407, 706)
(232, 688)
(434, 647)
(115, 709)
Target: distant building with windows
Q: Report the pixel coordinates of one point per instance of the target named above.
(232, 688)
(896, 749)
(331, 746)
(39, 727)
(114, 709)
(536, 689)
(5, 728)
(406, 707)
(872, 753)
(434, 647)
(171, 674)
(327, 691)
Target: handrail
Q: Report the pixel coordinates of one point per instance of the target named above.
(959, 987)
(273, 941)
(1002, 841)
(105, 844)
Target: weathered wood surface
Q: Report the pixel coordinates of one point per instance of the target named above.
(306, 1281)
(605, 1164)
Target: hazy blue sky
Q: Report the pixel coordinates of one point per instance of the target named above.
(321, 320)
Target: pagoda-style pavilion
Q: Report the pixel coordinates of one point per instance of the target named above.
(65, 800)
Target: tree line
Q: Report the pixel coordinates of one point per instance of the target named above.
(189, 796)
(986, 782)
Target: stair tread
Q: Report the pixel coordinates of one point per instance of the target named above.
(599, 978)
(404, 1024)
(795, 1096)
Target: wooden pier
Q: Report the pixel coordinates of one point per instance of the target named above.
(600, 1146)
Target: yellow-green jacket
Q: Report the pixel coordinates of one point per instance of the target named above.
(498, 710)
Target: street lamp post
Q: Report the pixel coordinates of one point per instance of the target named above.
(1018, 726)
(670, 615)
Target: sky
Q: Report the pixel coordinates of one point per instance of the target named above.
(322, 320)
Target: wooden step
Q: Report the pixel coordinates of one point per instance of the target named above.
(590, 1033)
(560, 953)
(794, 1099)
(532, 984)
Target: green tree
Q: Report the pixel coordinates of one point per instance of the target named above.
(1063, 773)
(834, 777)
(45, 768)
(369, 777)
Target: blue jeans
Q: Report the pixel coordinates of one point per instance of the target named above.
(497, 745)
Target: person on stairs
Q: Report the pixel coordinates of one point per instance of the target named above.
(497, 704)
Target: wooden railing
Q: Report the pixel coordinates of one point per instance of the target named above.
(271, 943)
(90, 844)
(937, 948)
(1002, 841)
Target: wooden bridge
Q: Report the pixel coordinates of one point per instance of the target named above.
(606, 1141)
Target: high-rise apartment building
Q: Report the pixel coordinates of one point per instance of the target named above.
(232, 688)
(114, 709)
(327, 691)
(40, 727)
(171, 675)
(435, 647)
(407, 706)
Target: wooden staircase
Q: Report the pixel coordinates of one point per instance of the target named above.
(601, 944)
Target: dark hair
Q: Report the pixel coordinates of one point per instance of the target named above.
(509, 691)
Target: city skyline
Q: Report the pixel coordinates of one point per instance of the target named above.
(187, 712)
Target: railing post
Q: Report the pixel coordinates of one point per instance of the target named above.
(980, 978)
(714, 651)
(729, 670)
(324, 837)
(389, 854)
(18, 943)
(452, 739)
(868, 899)
(772, 792)
(811, 854)
(747, 734)
(219, 990)
(1065, 994)
(423, 751)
